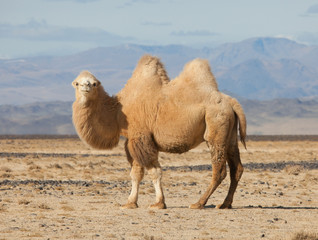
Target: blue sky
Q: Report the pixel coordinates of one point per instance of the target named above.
(60, 27)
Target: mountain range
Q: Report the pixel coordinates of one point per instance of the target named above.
(275, 80)
(258, 68)
(278, 116)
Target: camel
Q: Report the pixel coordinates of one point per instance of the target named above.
(156, 115)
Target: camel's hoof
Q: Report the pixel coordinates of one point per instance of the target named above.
(129, 206)
(196, 206)
(224, 206)
(158, 206)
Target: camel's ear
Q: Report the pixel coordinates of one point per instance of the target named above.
(74, 83)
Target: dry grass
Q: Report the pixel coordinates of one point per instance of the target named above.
(24, 202)
(44, 206)
(294, 169)
(305, 236)
(67, 208)
(35, 167)
(5, 169)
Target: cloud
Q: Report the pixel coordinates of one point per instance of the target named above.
(41, 31)
(131, 3)
(286, 36)
(309, 38)
(78, 1)
(312, 9)
(196, 33)
(157, 24)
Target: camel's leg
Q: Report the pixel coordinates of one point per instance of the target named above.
(218, 122)
(137, 174)
(236, 171)
(142, 152)
(155, 172)
(218, 154)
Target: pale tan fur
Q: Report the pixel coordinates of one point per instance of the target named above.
(156, 114)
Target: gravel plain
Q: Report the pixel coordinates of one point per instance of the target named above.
(58, 188)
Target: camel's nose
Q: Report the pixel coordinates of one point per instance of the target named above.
(86, 86)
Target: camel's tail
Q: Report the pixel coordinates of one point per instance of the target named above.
(242, 119)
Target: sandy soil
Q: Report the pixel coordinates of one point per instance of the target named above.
(61, 189)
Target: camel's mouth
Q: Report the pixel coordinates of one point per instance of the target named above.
(85, 90)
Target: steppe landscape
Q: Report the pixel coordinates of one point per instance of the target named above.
(58, 188)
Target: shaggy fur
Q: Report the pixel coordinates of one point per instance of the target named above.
(156, 114)
(94, 114)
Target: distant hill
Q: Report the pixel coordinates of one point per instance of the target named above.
(37, 118)
(282, 116)
(258, 68)
(278, 116)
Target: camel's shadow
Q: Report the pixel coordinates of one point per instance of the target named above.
(212, 206)
(276, 207)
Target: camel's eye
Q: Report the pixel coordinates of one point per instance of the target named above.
(76, 84)
(94, 84)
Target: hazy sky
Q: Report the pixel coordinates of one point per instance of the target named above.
(55, 27)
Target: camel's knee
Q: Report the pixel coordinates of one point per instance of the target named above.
(223, 172)
(239, 172)
(155, 173)
(235, 164)
(137, 173)
(219, 173)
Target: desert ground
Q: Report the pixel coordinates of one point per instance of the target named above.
(59, 188)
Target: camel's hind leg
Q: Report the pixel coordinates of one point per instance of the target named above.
(218, 154)
(219, 121)
(236, 171)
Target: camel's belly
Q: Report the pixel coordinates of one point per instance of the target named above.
(179, 141)
(180, 128)
(178, 146)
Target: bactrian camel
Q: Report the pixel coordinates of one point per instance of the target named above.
(155, 114)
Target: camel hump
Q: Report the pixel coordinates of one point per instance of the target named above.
(199, 70)
(150, 67)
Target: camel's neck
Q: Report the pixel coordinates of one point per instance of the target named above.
(96, 121)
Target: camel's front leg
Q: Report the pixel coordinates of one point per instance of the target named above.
(137, 173)
(155, 172)
(142, 152)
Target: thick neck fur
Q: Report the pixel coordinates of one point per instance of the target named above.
(96, 119)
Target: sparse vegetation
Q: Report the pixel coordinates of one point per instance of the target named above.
(294, 169)
(44, 206)
(270, 202)
(305, 236)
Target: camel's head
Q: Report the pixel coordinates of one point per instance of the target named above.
(86, 85)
